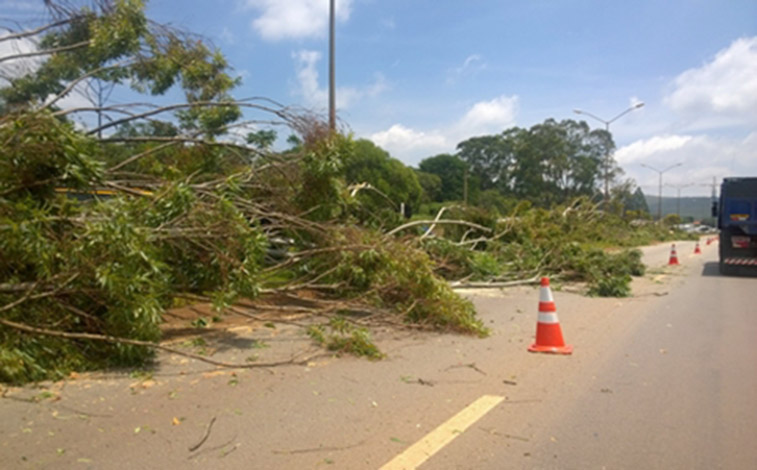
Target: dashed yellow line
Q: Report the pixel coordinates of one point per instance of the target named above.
(434, 441)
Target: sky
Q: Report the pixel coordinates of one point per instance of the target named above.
(419, 76)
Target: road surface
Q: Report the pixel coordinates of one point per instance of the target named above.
(677, 388)
(665, 379)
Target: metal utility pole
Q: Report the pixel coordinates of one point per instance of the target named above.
(659, 194)
(679, 187)
(332, 80)
(608, 156)
(465, 187)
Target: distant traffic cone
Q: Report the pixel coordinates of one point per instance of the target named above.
(709, 240)
(697, 251)
(673, 256)
(548, 333)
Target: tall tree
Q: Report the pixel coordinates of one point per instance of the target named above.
(548, 163)
(452, 172)
(395, 183)
(490, 158)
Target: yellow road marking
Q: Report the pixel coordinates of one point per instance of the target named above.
(434, 441)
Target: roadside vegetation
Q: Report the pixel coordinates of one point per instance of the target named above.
(112, 213)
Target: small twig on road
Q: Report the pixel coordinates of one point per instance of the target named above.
(228, 451)
(472, 365)
(208, 450)
(509, 436)
(204, 437)
(317, 449)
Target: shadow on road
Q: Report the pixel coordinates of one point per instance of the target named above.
(712, 269)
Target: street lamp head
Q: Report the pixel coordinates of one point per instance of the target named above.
(578, 111)
(638, 105)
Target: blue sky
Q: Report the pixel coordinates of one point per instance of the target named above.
(419, 76)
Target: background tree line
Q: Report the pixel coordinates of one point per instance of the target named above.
(547, 164)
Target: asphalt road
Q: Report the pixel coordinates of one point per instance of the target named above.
(665, 379)
(675, 389)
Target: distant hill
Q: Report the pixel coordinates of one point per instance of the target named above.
(697, 207)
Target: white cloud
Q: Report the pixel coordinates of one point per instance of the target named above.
(487, 117)
(399, 139)
(649, 150)
(315, 96)
(702, 157)
(412, 145)
(287, 19)
(472, 65)
(307, 79)
(725, 86)
(17, 67)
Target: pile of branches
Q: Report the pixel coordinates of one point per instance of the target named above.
(109, 212)
(576, 242)
(94, 248)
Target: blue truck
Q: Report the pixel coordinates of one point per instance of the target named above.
(736, 212)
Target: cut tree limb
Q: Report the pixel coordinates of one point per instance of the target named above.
(148, 344)
(442, 221)
(484, 285)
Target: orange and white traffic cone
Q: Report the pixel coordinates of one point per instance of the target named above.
(673, 256)
(548, 333)
(697, 251)
(709, 241)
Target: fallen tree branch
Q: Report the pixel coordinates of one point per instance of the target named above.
(433, 226)
(443, 221)
(484, 285)
(134, 342)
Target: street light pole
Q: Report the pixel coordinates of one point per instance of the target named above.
(607, 156)
(332, 80)
(659, 194)
(679, 187)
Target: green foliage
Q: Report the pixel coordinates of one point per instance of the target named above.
(569, 241)
(322, 188)
(391, 183)
(547, 164)
(671, 220)
(490, 158)
(115, 43)
(341, 336)
(431, 185)
(402, 278)
(262, 139)
(122, 260)
(616, 286)
(91, 246)
(41, 153)
(451, 171)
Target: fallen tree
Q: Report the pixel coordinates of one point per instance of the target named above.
(102, 229)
